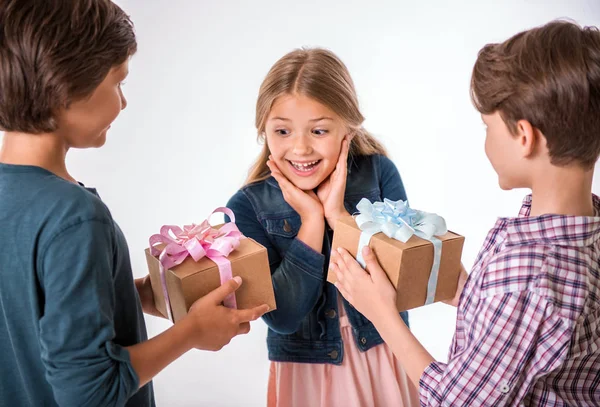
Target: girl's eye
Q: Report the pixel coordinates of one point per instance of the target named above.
(320, 132)
(121, 84)
(282, 132)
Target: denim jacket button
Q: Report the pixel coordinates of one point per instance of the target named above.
(331, 314)
(333, 354)
(363, 340)
(286, 226)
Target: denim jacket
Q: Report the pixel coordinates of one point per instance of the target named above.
(305, 326)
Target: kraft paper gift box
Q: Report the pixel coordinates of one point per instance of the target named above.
(187, 263)
(419, 255)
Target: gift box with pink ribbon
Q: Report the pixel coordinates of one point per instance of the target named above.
(187, 263)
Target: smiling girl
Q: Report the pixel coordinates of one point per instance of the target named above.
(316, 164)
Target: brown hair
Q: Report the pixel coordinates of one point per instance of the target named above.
(54, 52)
(549, 76)
(320, 75)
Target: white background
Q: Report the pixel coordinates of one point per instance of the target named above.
(187, 139)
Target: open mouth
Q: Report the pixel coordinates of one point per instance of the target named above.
(304, 167)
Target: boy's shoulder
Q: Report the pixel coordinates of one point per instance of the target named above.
(78, 202)
(43, 200)
(560, 275)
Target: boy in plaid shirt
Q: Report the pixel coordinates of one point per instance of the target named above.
(528, 320)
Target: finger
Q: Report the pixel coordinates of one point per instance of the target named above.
(244, 328)
(342, 164)
(274, 168)
(323, 192)
(218, 295)
(252, 314)
(324, 187)
(336, 260)
(349, 262)
(373, 267)
(312, 194)
(344, 292)
(284, 183)
(345, 149)
(463, 273)
(287, 188)
(352, 274)
(333, 268)
(278, 176)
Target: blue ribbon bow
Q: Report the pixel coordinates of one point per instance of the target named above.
(400, 222)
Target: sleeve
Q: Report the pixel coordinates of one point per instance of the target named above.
(390, 182)
(514, 339)
(83, 365)
(297, 277)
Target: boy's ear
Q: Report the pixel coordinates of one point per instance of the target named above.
(528, 137)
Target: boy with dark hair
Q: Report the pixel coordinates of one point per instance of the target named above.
(72, 331)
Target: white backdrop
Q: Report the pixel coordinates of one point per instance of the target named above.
(184, 144)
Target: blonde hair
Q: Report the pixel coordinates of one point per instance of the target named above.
(320, 75)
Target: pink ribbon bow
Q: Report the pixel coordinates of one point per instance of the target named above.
(197, 241)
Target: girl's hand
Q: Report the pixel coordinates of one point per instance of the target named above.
(306, 203)
(331, 191)
(370, 292)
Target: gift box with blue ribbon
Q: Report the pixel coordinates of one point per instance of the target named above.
(420, 256)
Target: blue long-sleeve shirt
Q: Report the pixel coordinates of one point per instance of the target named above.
(68, 303)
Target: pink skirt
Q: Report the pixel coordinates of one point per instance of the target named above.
(365, 379)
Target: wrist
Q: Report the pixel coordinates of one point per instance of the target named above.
(311, 232)
(184, 331)
(332, 218)
(388, 321)
(316, 219)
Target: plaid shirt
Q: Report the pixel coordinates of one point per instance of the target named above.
(528, 322)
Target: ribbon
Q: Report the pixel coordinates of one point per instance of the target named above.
(398, 221)
(197, 241)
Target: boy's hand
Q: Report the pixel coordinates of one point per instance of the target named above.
(211, 326)
(207, 326)
(147, 296)
(371, 291)
(462, 279)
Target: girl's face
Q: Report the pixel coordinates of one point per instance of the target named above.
(305, 139)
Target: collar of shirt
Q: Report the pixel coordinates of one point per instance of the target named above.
(562, 230)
